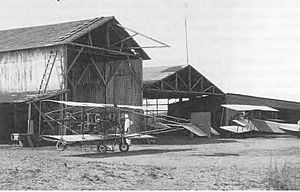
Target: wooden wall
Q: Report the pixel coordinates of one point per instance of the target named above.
(121, 87)
(21, 71)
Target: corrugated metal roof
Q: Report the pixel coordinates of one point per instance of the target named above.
(152, 74)
(55, 34)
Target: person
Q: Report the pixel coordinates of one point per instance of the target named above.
(242, 115)
(127, 125)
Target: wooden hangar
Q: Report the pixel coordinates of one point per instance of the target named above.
(94, 60)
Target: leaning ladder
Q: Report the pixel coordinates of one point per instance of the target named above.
(48, 70)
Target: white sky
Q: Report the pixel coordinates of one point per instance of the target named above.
(243, 46)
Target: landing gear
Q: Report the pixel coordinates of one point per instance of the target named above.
(101, 148)
(61, 145)
(123, 146)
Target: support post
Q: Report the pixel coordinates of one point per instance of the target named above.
(29, 119)
(15, 117)
(190, 78)
(40, 117)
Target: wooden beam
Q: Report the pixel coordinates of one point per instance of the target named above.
(82, 74)
(208, 88)
(46, 119)
(29, 119)
(114, 73)
(104, 49)
(107, 35)
(40, 117)
(70, 81)
(123, 40)
(98, 70)
(96, 52)
(182, 81)
(190, 78)
(74, 60)
(15, 117)
(176, 81)
(90, 39)
(166, 83)
(197, 83)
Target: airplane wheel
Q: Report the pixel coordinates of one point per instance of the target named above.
(124, 147)
(61, 145)
(101, 148)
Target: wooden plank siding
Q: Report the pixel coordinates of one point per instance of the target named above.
(121, 86)
(21, 71)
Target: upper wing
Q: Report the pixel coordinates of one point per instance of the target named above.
(85, 104)
(248, 107)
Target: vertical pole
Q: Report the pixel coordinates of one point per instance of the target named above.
(186, 36)
(61, 115)
(176, 82)
(65, 64)
(190, 78)
(29, 119)
(15, 118)
(40, 117)
(82, 122)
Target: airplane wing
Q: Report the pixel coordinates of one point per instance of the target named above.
(75, 138)
(239, 122)
(235, 129)
(248, 107)
(101, 105)
(290, 127)
(138, 136)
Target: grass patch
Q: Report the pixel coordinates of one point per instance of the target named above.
(281, 177)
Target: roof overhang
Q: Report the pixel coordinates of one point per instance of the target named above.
(28, 97)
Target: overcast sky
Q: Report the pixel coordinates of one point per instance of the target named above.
(243, 46)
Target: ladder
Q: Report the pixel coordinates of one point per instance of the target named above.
(48, 70)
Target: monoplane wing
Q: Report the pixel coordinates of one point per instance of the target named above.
(248, 107)
(101, 105)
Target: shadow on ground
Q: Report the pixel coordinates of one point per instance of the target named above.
(216, 155)
(129, 153)
(191, 141)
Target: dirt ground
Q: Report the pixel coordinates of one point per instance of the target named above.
(198, 164)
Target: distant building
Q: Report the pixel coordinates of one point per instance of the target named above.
(196, 93)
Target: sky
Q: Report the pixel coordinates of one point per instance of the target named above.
(243, 46)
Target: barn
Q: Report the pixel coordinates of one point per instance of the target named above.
(194, 94)
(94, 60)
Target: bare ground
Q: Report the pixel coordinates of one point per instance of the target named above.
(199, 164)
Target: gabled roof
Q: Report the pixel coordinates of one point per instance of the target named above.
(55, 34)
(176, 82)
(152, 74)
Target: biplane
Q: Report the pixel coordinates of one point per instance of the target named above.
(84, 124)
(242, 121)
